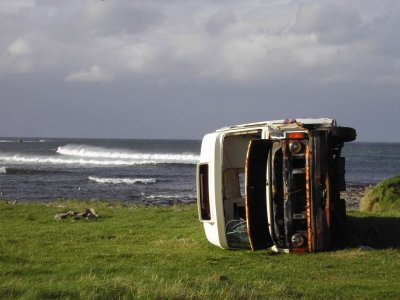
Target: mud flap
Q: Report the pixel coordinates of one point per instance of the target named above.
(256, 202)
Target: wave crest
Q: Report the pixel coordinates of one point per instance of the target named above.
(105, 153)
(122, 180)
(54, 160)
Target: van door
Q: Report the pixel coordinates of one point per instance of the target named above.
(256, 201)
(320, 202)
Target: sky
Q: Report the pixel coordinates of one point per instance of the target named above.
(178, 69)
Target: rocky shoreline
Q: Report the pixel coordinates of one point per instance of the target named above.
(353, 195)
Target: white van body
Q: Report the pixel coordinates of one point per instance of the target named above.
(226, 178)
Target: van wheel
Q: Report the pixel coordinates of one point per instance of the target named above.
(343, 134)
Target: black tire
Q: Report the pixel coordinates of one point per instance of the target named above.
(343, 134)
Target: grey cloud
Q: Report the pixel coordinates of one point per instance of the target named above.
(111, 17)
(384, 32)
(218, 21)
(130, 65)
(332, 23)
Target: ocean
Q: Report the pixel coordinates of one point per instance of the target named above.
(153, 172)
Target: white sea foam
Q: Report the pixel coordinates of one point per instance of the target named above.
(122, 180)
(170, 196)
(99, 152)
(3, 170)
(62, 160)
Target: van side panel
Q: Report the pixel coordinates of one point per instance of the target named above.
(211, 154)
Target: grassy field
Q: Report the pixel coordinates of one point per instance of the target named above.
(155, 252)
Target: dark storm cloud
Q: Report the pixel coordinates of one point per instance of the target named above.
(177, 69)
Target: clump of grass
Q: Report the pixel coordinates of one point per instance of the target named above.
(384, 197)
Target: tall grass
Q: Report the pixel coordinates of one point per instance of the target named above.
(385, 196)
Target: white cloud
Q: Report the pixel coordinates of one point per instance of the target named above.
(17, 58)
(137, 57)
(19, 47)
(93, 74)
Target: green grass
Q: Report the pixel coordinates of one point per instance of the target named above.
(385, 196)
(157, 252)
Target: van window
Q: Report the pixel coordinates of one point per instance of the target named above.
(204, 193)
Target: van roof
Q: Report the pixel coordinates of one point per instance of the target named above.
(306, 121)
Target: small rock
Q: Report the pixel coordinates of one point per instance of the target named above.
(61, 216)
(93, 212)
(86, 213)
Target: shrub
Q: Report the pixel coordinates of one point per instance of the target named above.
(385, 196)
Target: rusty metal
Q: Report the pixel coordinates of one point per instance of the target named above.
(308, 200)
(320, 198)
(328, 204)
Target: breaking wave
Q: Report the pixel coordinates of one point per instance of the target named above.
(3, 170)
(171, 196)
(104, 153)
(123, 180)
(60, 160)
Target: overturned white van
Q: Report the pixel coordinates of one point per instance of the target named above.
(273, 184)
